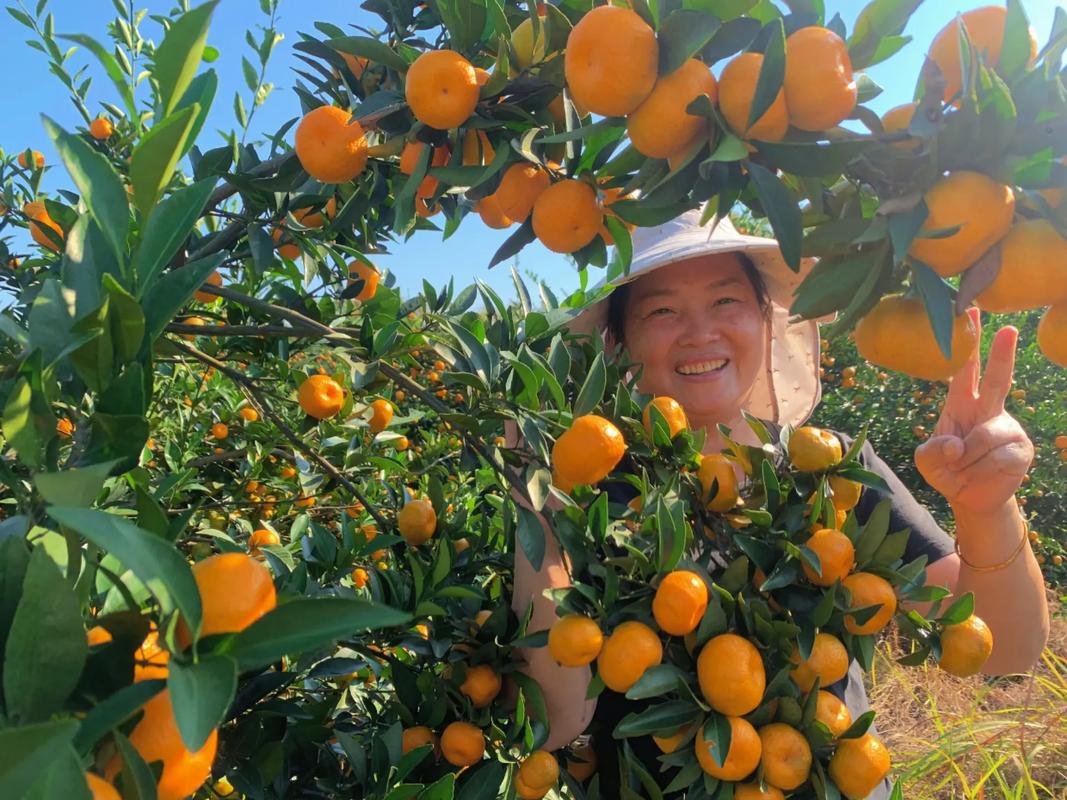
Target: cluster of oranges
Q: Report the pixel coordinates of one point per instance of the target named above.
(732, 667)
(235, 591)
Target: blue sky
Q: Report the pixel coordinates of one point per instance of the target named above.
(31, 90)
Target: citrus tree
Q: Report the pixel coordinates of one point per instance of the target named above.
(259, 515)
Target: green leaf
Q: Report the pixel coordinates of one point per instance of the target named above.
(683, 34)
(111, 67)
(771, 76)
(531, 536)
(14, 560)
(178, 55)
(156, 155)
(201, 93)
(112, 712)
(938, 299)
(372, 49)
(814, 159)
(483, 783)
(201, 694)
(100, 187)
(155, 562)
(783, 211)
(138, 780)
(169, 294)
(960, 610)
(670, 715)
(127, 323)
(65, 777)
(307, 623)
(29, 751)
(47, 630)
(76, 487)
(18, 426)
(657, 680)
(168, 226)
(592, 391)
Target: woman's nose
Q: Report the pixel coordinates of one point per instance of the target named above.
(698, 329)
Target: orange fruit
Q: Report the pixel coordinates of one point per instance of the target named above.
(417, 521)
(813, 449)
(668, 744)
(288, 472)
(844, 493)
(1033, 269)
(896, 334)
(477, 150)
(567, 215)
(462, 744)
(979, 206)
(39, 220)
(97, 635)
(151, 659)
(680, 602)
(737, 87)
(985, 29)
(289, 249)
(1061, 441)
(631, 649)
(156, 738)
(742, 757)
(219, 431)
(402, 444)
(832, 712)
(38, 159)
(751, 791)
(661, 126)
(820, 89)
(574, 640)
(828, 662)
(611, 61)
(836, 555)
(249, 414)
(262, 537)
(897, 119)
(731, 674)
(786, 756)
(481, 685)
(416, 737)
(360, 577)
(332, 147)
(1052, 334)
(715, 467)
(304, 502)
(99, 789)
(672, 412)
(519, 189)
(409, 161)
(235, 591)
(358, 64)
(65, 428)
(859, 765)
(965, 647)
(584, 763)
(586, 452)
(441, 89)
(321, 396)
(868, 590)
(537, 773)
(366, 273)
(101, 128)
(488, 209)
(381, 415)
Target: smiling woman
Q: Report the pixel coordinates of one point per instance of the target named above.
(705, 317)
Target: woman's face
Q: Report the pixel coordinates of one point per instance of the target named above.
(698, 330)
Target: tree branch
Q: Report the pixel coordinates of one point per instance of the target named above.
(257, 401)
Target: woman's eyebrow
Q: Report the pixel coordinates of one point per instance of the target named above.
(664, 292)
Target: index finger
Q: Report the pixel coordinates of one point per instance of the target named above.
(999, 371)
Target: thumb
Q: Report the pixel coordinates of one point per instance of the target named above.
(939, 451)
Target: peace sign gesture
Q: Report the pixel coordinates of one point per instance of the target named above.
(979, 453)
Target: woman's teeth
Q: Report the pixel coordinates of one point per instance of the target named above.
(702, 367)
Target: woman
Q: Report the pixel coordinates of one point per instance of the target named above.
(705, 314)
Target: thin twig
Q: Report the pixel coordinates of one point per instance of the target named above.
(257, 401)
(241, 330)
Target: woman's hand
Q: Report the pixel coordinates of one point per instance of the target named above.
(979, 453)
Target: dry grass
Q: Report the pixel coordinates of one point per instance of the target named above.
(979, 738)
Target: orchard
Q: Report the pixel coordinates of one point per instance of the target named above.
(259, 513)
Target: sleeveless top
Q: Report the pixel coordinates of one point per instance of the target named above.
(926, 538)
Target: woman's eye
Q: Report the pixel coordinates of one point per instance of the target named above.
(723, 300)
(660, 311)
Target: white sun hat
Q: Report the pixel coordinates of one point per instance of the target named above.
(787, 388)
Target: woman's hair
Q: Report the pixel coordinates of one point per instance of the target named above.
(619, 299)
